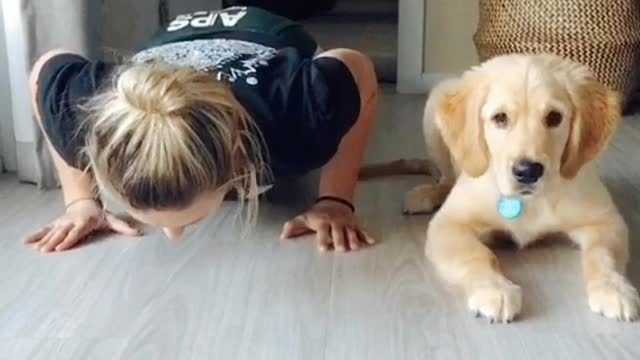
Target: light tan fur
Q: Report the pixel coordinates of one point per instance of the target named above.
(475, 158)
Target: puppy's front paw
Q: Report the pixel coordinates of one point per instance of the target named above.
(425, 199)
(614, 297)
(499, 300)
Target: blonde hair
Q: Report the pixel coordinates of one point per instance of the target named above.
(158, 136)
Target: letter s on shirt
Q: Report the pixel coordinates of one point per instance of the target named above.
(181, 22)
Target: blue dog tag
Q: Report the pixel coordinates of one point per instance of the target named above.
(510, 208)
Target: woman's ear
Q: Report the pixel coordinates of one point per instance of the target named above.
(459, 122)
(598, 114)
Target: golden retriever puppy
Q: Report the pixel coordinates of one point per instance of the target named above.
(515, 139)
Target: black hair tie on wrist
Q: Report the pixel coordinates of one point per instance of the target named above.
(338, 200)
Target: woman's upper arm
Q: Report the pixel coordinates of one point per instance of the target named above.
(361, 68)
(60, 82)
(36, 72)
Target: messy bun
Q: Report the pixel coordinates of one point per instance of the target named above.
(159, 136)
(155, 89)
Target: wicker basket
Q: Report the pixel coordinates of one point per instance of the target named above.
(602, 34)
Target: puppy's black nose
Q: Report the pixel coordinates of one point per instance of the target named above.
(527, 172)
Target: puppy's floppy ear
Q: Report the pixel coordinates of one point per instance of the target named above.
(458, 118)
(598, 114)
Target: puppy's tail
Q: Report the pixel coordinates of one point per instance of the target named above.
(398, 168)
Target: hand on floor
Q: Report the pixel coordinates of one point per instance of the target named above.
(335, 225)
(79, 221)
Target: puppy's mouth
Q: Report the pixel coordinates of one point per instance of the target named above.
(516, 189)
(527, 190)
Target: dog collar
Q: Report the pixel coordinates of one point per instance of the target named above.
(510, 208)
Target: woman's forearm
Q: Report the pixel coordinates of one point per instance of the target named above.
(340, 176)
(76, 184)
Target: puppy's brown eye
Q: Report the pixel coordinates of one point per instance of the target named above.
(553, 119)
(500, 119)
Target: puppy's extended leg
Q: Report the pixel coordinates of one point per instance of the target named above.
(604, 258)
(463, 260)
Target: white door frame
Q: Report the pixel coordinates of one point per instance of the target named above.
(21, 111)
(412, 78)
(410, 45)
(7, 136)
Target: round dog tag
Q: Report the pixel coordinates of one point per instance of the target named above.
(510, 208)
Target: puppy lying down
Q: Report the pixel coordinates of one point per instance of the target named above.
(514, 141)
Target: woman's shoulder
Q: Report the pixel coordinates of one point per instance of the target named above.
(43, 65)
(61, 81)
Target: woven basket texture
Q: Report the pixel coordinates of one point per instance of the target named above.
(602, 34)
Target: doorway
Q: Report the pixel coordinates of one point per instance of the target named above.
(369, 26)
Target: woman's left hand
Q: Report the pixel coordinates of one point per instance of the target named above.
(335, 225)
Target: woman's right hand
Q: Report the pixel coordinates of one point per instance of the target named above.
(80, 220)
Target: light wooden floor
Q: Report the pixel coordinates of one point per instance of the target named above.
(215, 296)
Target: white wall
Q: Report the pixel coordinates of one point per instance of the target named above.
(20, 99)
(449, 28)
(435, 42)
(7, 138)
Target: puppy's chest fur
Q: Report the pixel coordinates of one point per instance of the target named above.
(540, 218)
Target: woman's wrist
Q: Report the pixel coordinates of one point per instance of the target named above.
(337, 200)
(73, 202)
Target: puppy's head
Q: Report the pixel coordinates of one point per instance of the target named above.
(528, 120)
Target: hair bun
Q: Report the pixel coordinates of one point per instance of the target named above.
(155, 89)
